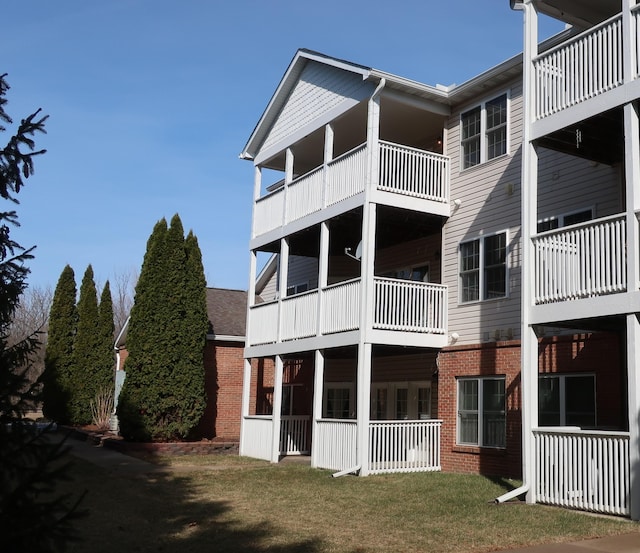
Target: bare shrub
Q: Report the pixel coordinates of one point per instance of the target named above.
(102, 409)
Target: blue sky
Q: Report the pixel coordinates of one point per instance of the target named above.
(151, 101)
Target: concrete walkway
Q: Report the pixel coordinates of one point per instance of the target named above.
(119, 463)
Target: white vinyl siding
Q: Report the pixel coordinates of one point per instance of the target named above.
(319, 90)
(489, 203)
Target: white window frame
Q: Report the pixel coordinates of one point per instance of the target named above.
(392, 389)
(484, 131)
(406, 273)
(337, 386)
(563, 216)
(482, 268)
(479, 411)
(562, 381)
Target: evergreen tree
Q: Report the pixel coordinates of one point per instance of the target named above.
(105, 366)
(63, 320)
(31, 517)
(86, 352)
(163, 395)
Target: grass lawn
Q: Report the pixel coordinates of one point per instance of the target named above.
(228, 504)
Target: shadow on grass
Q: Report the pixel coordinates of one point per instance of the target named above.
(161, 510)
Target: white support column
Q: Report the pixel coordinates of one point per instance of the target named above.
(246, 395)
(363, 401)
(629, 41)
(283, 279)
(257, 186)
(633, 378)
(318, 393)
(529, 209)
(323, 272)
(328, 158)
(277, 404)
(366, 283)
(632, 181)
(288, 178)
(251, 296)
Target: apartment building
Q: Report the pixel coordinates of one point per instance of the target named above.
(421, 308)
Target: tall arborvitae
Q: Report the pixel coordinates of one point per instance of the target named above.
(63, 320)
(33, 516)
(85, 352)
(163, 395)
(143, 335)
(105, 367)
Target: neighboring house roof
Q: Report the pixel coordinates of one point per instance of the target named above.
(266, 274)
(227, 310)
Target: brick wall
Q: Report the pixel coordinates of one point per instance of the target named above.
(223, 384)
(492, 359)
(599, 354)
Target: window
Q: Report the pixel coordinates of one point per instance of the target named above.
(483, 268)
(567, 400)
(484, 132)
(338, 401)
(417, 274)
(481, 412)
(400, 401)
(297, 288)
(565, 219)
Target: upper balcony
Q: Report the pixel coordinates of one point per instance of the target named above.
(598, 61)
(406, 312)
(404, 173)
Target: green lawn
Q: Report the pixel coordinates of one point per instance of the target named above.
(230, 504)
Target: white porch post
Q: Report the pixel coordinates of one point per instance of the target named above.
(318, 392)
(246, 394)
(328, 157)
(529, 200)
(283, 279)
(277, 403)
(367, 284)
(257, 185)
(633, 378)
(323, 272)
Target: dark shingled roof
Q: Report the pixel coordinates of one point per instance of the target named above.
(227, 310)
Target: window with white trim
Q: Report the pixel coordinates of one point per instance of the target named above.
(400, 400)
(483, 268)
(338, 401)
(419, 273)
(482, 412)
(565, 219)
(484, 131)
(567, 400)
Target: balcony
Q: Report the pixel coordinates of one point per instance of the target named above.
(399, 306)
(585, 66)
(402, 170)
(581, 261)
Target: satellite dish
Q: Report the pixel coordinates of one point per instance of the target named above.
(358, 254)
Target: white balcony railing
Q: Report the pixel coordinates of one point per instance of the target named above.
(404, 446)
(341, 311)
(580, 261)
(583, 470)
(295, 435)
(257, 431)
(413, 172)
(334, 444)
(400, 305)
(300, 316)
(410, 306)
(581, 68)
(402, 170)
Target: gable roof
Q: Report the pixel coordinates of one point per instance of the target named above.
(227, 310)
(227, 313)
